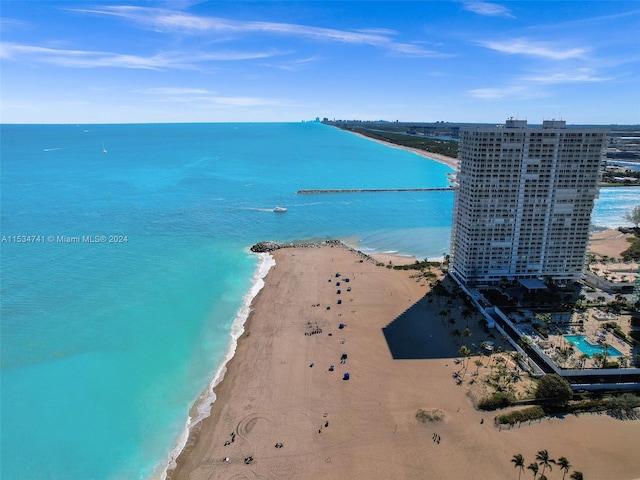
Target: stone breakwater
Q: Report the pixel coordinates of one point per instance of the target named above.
(266, 247)
(371, 190)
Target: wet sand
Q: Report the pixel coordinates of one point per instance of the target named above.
(279, 390)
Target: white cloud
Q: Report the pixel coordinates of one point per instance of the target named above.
(579, 76)
(244, 101)
(91, 59)
(173, 91)
(202, 96)
(293, 65)
(522, 46)
(184, 23)
(489, 9)
(512, 92)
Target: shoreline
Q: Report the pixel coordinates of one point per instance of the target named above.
(437, 157)
(272, 392)
(202, 406)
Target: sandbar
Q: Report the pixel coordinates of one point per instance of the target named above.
(282, 412)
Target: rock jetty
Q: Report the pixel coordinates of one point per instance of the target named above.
(265, 247)
(270, 246)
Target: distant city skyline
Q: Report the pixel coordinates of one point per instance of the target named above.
(268, 61)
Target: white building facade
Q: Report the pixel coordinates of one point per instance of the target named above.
(524, 200)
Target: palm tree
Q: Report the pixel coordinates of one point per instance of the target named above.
(485, 346)
(533, 466)
(605, 353)
(517, 357)
(466, 333)
(576, 476)
(583, 359)
(564, 464)
(457, 334)
(518, 462)
(524, 342)
(563, 354)
(544, 318)
(543, 459)
(478, 364)
(465, 352)
(624, 361)
(559, 335)
(466, 314)
(598, 360)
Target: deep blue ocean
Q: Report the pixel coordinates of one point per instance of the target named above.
(126, 275)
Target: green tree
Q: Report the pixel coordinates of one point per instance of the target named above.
(554, 389)
(518, 462)
(543, 459)
(564, 464)
(624, 405)
(517, 357)
(605, 353)
(576, 476)
(563, 355)
(466, 333)
(583, 359)
(533, 466)
(478, 364)
(524, 342)
(598, 360)
(465, 352)
(633, 216)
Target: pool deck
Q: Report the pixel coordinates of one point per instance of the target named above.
(592, 329)
(592, 346)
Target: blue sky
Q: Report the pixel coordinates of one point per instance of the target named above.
(193, 61)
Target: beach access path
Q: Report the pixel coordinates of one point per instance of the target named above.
(281, 412)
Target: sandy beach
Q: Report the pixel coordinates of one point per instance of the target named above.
(448, 161)
(610, 243)
(282, 412)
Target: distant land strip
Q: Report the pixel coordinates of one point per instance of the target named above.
(372, 190)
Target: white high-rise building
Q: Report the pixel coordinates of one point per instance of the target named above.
(524, 200)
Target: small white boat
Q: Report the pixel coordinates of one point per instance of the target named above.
(279, 209)
(104, 150)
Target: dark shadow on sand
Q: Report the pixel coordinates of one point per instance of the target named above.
(419, 333)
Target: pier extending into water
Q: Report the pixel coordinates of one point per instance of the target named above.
(372, 190)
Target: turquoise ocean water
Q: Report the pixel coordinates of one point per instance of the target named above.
(126, 275)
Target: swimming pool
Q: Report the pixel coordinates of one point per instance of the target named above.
(581, 344)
